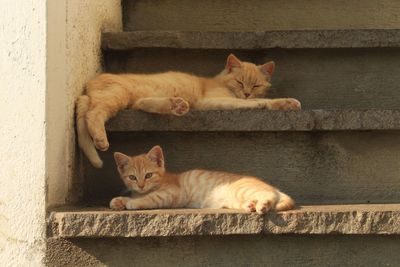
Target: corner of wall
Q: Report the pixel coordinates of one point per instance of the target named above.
(74, 51)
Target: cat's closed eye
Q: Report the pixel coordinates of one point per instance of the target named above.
(148, 175)
(257, 85)
(240, 83)
(132, 177)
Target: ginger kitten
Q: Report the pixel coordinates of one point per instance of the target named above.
(146, 175)
(239, 85)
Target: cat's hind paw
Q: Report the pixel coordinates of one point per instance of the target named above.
(101, 144)
(251, 206)
(179, 106)
(264, 206)
(118, 203)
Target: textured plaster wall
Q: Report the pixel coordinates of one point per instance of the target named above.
(74, 28)
(22, 132)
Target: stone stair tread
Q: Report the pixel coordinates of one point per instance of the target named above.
(258, 120)
(73, 222)
(351, 38)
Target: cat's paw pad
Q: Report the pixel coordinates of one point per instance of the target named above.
(263, 207)
(101, 144)
(179, 106)
(118, 203)
(286, 104)
(251, 206)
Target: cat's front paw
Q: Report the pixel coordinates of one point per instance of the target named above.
(285, 104)
(179, 106)
(118, 203)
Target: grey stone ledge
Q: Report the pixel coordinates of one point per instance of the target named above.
(258, 120)
(363, 38)
(331, 219)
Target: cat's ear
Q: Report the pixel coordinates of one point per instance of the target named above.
(268, 68)
(232, 62)
(121, 159)
(156, 155)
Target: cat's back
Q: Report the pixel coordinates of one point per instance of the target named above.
(199, 186)
(203, 180)
(168, 84)
(215, 189)
(130, 79)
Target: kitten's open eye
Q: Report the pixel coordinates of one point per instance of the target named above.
(148, 175)
(240, 83)
(132, 177)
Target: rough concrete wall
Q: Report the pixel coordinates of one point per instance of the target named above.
(75, 28)
(239, 250)
(22, 132)
(239, 15)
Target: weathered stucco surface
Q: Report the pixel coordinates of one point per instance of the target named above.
(37, 111)
(75, 29)
(22, 132)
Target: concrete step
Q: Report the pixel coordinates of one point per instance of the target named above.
(289, 250)
(259, 14)
(318, 157)
(337, 78)
(337, 219)
(352, 38)
(248, 120)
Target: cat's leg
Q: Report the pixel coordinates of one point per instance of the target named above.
(255, 103)
(282, 103)
(163, 105)
(153, 200)
(250, 205)
(119, 203)
(266, 201)
(254, 200)
(108, 95)
(95, 121)
(285, 202)
(226, 103)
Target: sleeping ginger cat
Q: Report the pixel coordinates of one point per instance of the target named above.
(157, 188)
(239, 85)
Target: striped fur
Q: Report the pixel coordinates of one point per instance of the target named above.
(192, 189)
(239, 85)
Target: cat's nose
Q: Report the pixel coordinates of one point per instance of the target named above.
(246, 95)
(141, 186)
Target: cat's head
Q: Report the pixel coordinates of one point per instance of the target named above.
(141, 173)
(245, 79)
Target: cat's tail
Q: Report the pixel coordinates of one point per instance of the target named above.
(84, 139)
(285, 202)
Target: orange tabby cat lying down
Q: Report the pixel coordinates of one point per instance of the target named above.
(157, 188)
(239, 85)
